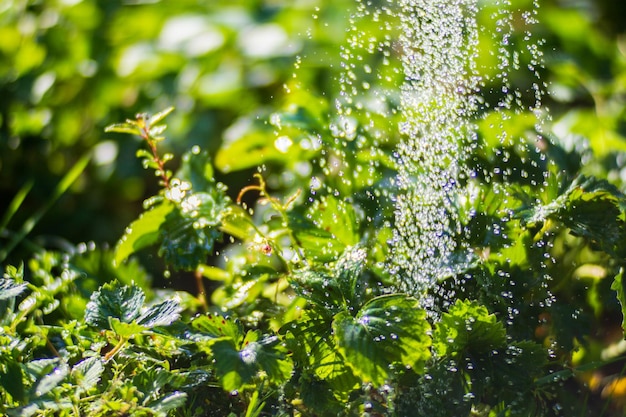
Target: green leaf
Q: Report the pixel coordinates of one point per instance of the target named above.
(619, 286)
(143, 232)
(113, 300)
(48, 374)
(128, 127)
(197, 170)
(231, 369)
(468, 328)
(250, 150)
(336, 216)
(237, 366)
(125, 330)
(313, 346)
(162, 314)
(98, 267)
(348, 270)
(15, 204)
(169, 402)
(217, 326)
(10, 289)
(590, 208)
(325, 229)
(185, 243)
(318, 245)
(334, 290)
(153, 120)
(11, 379)
(319, 288)
(389, 330)
(86, 374)
(190, 231)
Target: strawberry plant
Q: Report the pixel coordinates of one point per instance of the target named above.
(278, 295)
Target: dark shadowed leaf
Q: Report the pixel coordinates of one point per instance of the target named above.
(468, 328)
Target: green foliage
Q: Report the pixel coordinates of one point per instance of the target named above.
(184, 218)
(294, 309)
(389, 331)
(466, 329)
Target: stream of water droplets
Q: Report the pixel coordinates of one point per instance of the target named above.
(439, 100)
(455, 60)
(442, 98)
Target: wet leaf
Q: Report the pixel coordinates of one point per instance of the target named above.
(468, 327)
(236, 366)
(319, 288)
(590, 208)
(388, 331)
(113, 300)
(189, 232)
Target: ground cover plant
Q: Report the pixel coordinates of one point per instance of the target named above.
(252, 277)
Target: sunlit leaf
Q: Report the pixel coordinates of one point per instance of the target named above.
(217, 326)
(389, 330)
(48, 373)
(10, 289)
(113, 300)
(619, 286)
(161, 314)
(143, 232)
(169, 402)
(125, 330)
(312, 343)
(320, 288)
(189, 232)
(156, 118)
(130, 128)
(87, 373)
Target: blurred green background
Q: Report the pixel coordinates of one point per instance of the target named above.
(68, 68)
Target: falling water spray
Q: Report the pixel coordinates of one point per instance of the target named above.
(439, 96)
(442, 99)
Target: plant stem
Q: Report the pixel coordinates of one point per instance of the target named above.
(201, 289)
(116, 349)
(152, 144)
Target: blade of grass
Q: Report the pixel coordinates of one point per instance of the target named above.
(16, 203)
(60, 189)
